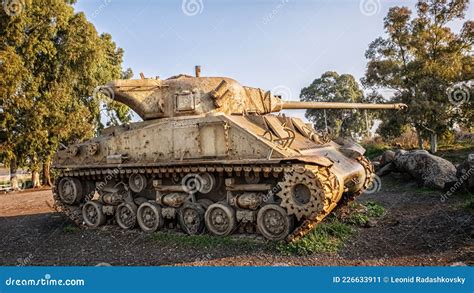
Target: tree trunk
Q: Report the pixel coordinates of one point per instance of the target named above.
(420, 139)
(13, 175)
(35, 178)
(434, 143)
(47, 173)
(369, 135)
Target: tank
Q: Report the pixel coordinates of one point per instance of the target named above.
(210, 156)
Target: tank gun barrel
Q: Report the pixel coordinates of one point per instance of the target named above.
(333, 105)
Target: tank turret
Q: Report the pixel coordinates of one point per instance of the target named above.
(187, 95)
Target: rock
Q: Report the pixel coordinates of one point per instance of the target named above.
(432, 171)
(458, 264)
(385, 170)
(387, 157)
(376, 165)
(377, 158)
(103, 264)
(371, 223)
(465, 175)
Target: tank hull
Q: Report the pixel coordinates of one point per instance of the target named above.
(264, 174)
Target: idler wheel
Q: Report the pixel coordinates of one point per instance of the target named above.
(92, 214)
(273, 222)
(191, 218)
(126, 215)
(149, 217)
(70, 190)
(220, 219)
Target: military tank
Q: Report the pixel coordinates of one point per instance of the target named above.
(210, 157)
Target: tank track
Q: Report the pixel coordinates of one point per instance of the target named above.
(331, 185)
(74, 213)
(327, 180)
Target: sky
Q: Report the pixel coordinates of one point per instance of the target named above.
(280, 45)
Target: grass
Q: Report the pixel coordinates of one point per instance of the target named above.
(362, 213)
(455, 153)
(203, 241)
(374, 210)
(70, 229)
(425, 190)
(373, 150)
(328, 236)
(469, 204)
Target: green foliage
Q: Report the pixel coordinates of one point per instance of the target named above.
(52, 59)
(71, 229)
(327, 237)
(202, 241)
(360, 214)
(422, 60)
(469, 204)
(358, 219)
(374, 210)
(375, 149)
(332, 87)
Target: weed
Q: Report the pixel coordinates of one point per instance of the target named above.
(374, 210)
(70, 229)
(203, 241)
(327, 237)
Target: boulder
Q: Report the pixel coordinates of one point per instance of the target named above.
(387, 157)
(432, 171)
(387, 169)
(465, 174)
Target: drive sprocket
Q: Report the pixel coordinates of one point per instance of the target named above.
(301, 193)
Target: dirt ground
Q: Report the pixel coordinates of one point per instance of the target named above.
(417, 229)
